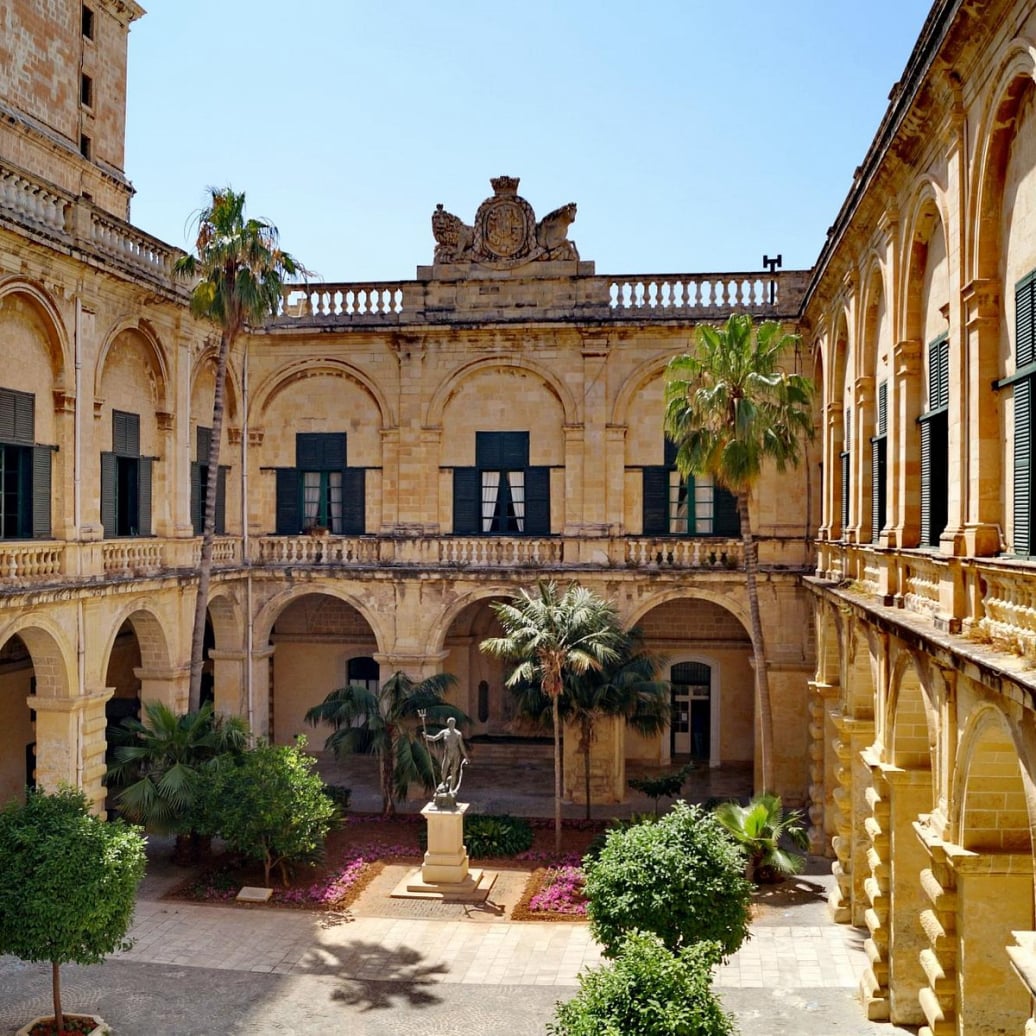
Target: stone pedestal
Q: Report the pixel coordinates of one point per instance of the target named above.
(444, 875)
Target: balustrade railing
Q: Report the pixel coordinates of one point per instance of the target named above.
(500, 551)
(689, 293)
(920, 577)
(680, 552)
(33, 201)
(1008, 606)
(33, 561)
(133, 557)
(128, 245)
(318, 550)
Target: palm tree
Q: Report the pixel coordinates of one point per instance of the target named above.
(730, 407)
(625, 688)
(759, 829)
(384, 722)
(551, 635)
(159, 764)
(240, 271)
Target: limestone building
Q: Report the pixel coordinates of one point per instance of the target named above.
(397, 456)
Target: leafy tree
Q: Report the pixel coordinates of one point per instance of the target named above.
(158, 764)
(730, 408)
(759, 829)
(647, 991)
(270, 805)
(239, 271)
(69, 882)
(664, 785)
(623, 688)
(680, 876)
(551, 635)
(384, 723)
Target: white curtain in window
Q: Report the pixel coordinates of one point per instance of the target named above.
(490, 491)
(703, 506)
(517, 483)
(334, 501)
(677, 504)
(310, 499)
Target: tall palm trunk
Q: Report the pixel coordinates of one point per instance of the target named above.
(386, 766)
(555, 712)
(762, 682)
(208, 525)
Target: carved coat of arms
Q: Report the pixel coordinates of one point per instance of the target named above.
(505, 233)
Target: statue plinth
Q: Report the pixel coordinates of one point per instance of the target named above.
(446, 861)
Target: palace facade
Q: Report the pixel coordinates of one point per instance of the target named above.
(398, 456)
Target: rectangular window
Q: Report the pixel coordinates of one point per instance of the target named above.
(503, 494)
(25, 480)
(1023, 539)
(200, 484)
(126, 480)
(321, 493)
(86, 146)
(879, 465)
(678, 506)
(935, 447)
(86, 90)
(88, 22)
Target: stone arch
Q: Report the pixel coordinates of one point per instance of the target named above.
(57, 341)
(227, 618)
(205, 361)
(632, 384)
(911, 722)
(154, 353)
(155, 655)
(449, 386)
(874, 298)
(318, 366)
(53, 658)
(829, 643)
(926, 216)
(725, 600)
(859, 682)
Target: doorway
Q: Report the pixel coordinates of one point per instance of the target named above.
(690, 728)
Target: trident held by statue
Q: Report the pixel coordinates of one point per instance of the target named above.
(454, 754)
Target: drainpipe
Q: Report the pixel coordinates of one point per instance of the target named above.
(245, 542)
(77, 520)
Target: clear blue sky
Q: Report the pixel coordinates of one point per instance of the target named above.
(693, 135)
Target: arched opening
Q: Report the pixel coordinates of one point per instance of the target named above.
(123, 677)
(17, 721)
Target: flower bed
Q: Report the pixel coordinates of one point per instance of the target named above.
(554, 894)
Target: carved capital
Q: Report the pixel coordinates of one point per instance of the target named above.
(906, 357)
(234, 435)
(981, 298)
(863, 389)
(256, 436)
(64, 402)
(164, 420)
(98, 407)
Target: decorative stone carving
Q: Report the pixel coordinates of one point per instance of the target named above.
(505, 233)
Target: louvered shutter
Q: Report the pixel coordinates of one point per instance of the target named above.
(944, 372)
(203, 445)
(24, 417)
(221, 501)
(125, 434)
(725, 519)
(289, 520)
(926, 482)
(1024, 322)
(320, 451)
(7, 407)
(108, 494)
(844, 457)
(656, 501)
(467, 501)
(1022, 467)
(883, 408)
(354, 501)
(537, 501)
(144, 470)
(878, 457)
(41, 492)
(197, 499)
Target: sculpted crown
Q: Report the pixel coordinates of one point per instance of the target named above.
(505, 184)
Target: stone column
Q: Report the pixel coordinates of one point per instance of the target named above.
(904, 457)
(228, 682)
(262, 658)
(607, 763)
(169, 686)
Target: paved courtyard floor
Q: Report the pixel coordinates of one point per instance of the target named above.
(426, 969)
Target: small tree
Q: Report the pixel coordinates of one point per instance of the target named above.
(270, 806)
(662, 786)
(69, 883)
(647, 991)
(680, 876)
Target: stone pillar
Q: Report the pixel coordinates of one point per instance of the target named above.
(169, 686)
(70, 743)
(228, 682)
(607, 763)
(904, 458)
(262, 706)
(823, 699)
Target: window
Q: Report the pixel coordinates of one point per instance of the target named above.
(321, 492)
(879, 465)
(86, 90)
(88, 22)
(363, 671)
(200, 483)
(503, 494)
(25, 481)
(844, 459)
(1022, 382)
(693, 506)
(126, 481)
(935, 445)
(85, 146)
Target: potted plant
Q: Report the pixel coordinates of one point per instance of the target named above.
(70, 883)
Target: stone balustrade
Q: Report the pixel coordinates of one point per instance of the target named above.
(1008, 605)
(133, 557)
(130, 247)
(500, 551)
(31, 560)
(680, 552)
(920, 578)
(318, 550)
(32, 201)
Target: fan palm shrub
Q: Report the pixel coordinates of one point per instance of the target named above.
(760, 828)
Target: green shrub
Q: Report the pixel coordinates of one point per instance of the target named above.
(490, 835)
(596, 846)
(681, 877)
(339, 794)
(665, 785)
(647, 991)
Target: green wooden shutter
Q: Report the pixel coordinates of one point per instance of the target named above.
(844, 457)
(108, 494)
(883, 408)
(944, 372)
(7, 407)
(502, 451)
(144, 466)
(320, 451)
(467, 501)
(197, 499)
(125, 434)
(656, 501)
(289, 517)
(1025, 321)
(17, 416)
(203, 445)
(41, 492)
(725, 519)
(221, 501)
(537, 501)
(1022, 467)
(878, 483)
(354, 501)
(926, 481)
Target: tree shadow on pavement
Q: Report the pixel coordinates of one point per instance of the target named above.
(403, 977)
